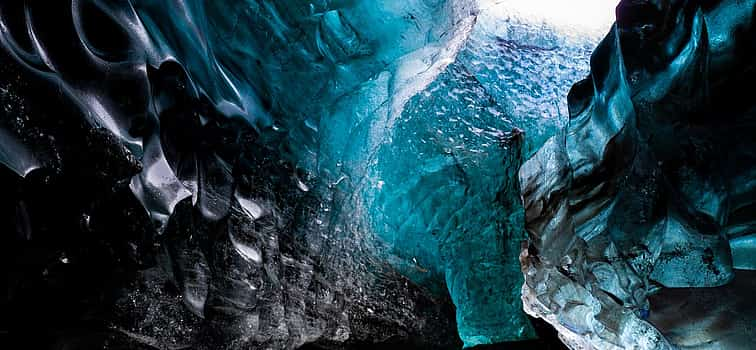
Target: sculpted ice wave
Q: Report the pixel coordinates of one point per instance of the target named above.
(646, 188)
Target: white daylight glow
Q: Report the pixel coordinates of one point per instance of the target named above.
(586, 16)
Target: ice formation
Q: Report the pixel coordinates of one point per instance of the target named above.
(445, 195)
(648, 186)
(332, 172)
(346, 173)
(217, 109)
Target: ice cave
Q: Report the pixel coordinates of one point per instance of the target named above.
(378, 174)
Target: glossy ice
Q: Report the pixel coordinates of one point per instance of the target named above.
(325, 171)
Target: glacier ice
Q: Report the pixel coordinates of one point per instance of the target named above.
(303, 162)
(443, 193)
(238, 137)
(344, 173)
(642, 199)
(212, 121)
(207, 105)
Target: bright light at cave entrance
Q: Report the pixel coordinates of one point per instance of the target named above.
(586, 16)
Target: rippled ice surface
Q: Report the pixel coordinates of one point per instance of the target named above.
(332, 171)
(443, 194)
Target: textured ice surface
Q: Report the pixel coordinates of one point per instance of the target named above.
(223, 104)
(329, 172)
(648, 186)
(442, 193)
(289, 171)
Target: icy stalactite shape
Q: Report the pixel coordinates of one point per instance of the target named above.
(15, 155)
(647, 187)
